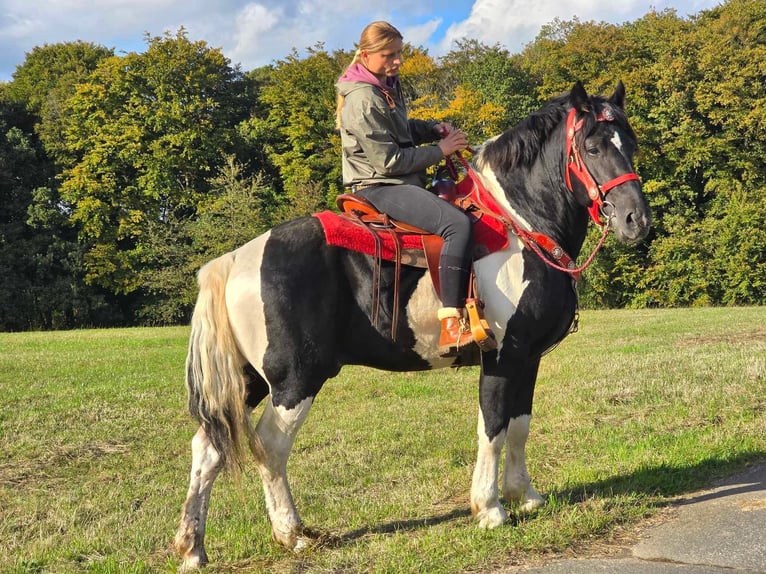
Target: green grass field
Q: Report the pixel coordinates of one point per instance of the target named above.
(635, 409)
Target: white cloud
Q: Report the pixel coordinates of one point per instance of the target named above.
(515, 23)
(251, 26)
(421, 35)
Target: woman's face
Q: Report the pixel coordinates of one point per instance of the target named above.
(385, 62)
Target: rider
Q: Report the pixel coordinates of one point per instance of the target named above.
(384, 163)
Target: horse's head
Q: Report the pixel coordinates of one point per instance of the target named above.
(599, 172)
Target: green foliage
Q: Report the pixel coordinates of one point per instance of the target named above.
(498, 78)
(175, 248)
(439, 93)
(40, 259)
(148, 130)
(45, 81)
(296, 131)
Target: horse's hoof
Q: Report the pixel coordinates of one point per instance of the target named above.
(192, 563)
(302, 543)
(300, 539)
(526, 497)
(531, 504)
(314, 538)
(491, 517)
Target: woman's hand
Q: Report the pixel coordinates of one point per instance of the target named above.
(454, 140)
(443, 128)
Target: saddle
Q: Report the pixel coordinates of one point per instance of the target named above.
(400, 235)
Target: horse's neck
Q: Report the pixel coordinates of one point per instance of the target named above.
(539, 202)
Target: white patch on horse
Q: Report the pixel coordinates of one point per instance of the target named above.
(485, 502)
(500, 275)
(517, 486)
(617, 142)
(489, 180)
(421, 317)
(189, 539)
(500, 284)
(245, 304)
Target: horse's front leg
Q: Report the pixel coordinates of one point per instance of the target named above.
(517, 485)
(505, 407)
(277, 429)
(485, 503)
(190, 536)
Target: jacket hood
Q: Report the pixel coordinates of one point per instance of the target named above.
(357, 74)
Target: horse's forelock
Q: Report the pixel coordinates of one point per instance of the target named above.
(620, 118)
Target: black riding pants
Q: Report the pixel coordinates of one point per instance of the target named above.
(419, 207)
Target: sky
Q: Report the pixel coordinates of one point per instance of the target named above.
(261, 32)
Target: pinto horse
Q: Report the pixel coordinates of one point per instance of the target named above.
(280, 315)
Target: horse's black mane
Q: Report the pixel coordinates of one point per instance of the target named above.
(523, 144)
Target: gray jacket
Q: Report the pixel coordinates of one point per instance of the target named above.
(380, 145)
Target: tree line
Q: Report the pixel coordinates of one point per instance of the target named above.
(120, 175)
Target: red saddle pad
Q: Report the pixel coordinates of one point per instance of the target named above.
(490, 235)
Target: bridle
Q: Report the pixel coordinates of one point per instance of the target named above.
(577, 168)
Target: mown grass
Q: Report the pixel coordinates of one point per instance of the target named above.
(635, 409)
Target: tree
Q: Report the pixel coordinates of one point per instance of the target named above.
(232, 214)
(296, 127)
(43, 83)
(434, 93)
(497, 79)
(149, 131)
(40, 263)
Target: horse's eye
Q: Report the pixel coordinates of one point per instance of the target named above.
(593, 150)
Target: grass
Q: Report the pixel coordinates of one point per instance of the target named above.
(637, 408)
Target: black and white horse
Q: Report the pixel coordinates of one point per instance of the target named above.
(283, 313)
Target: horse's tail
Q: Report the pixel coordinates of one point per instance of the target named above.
(215, 370)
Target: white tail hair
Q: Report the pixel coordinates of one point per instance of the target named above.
(215, 370)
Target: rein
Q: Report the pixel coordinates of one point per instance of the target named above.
(545, 247)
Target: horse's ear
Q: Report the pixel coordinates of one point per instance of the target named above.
(578, 97)
(618, 97)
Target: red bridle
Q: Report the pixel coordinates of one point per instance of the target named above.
(576, 166)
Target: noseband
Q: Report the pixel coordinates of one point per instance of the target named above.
(576, 166)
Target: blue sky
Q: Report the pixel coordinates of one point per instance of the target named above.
(256, 33)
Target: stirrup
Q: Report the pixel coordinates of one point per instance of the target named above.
(480, 329)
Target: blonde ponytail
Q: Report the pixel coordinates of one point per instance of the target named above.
(339, 105)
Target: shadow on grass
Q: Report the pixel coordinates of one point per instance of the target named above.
(664, 482)
(327, 539)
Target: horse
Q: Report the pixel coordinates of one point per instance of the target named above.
(279, 316)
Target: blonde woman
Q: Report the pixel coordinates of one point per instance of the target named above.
(385, 162)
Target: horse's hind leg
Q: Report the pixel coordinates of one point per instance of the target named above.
(190, 537)
(277, 429)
